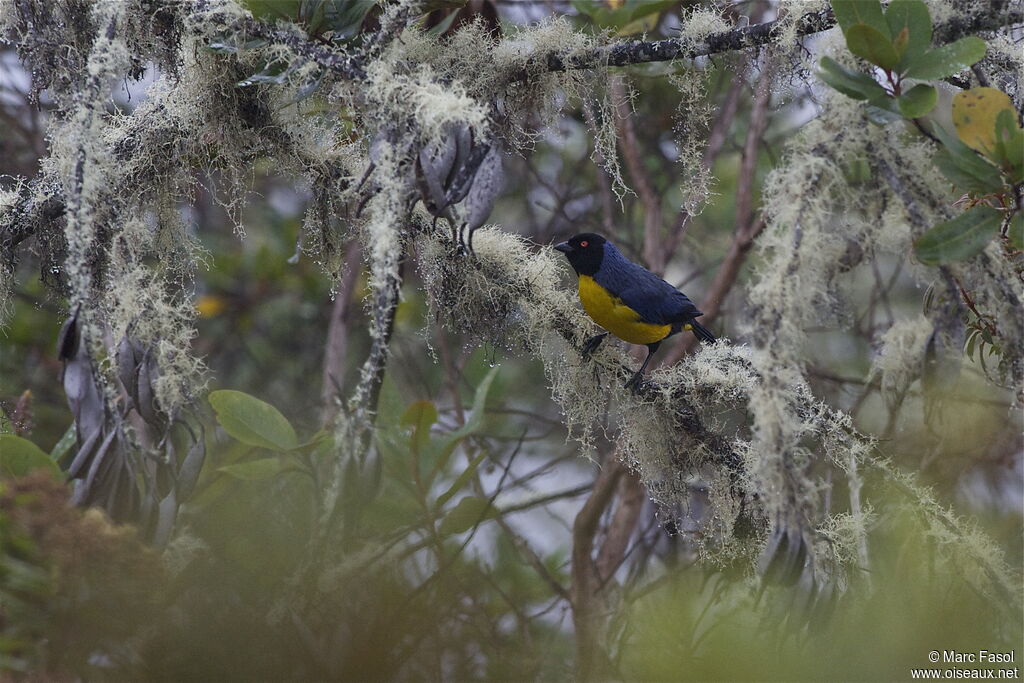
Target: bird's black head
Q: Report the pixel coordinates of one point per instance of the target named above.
(585, 252)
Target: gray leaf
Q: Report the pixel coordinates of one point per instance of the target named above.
(166, 514)
(190, 468)
(488, 184)
(129, 353)
(147, 376)
(435, 162)
(82, 457)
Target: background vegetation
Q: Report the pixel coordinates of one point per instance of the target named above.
(307, 438)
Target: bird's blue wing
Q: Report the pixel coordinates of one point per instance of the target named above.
(655, 300)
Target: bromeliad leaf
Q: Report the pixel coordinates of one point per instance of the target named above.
(946, 60)
(873, 45)
(253, 421)
(917, 101)
(960, 238)
(20, 456)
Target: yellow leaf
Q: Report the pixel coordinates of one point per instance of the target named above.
(974, 115)
(641, 25)
(615, 4)
(209, 306)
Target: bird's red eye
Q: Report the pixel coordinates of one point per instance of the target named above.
(584, 244)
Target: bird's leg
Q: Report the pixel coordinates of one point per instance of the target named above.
(593, 343)
(456, 236)
(638, 379)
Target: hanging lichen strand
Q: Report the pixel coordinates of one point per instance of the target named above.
(427, 112)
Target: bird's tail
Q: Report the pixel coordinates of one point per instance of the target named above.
(702, 332)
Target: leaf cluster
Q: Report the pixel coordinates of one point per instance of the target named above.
(898, 41)
(986, 160)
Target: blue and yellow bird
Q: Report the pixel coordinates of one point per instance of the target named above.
(628, 300)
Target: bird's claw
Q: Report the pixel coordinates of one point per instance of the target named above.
(591, 344)
(636, 383)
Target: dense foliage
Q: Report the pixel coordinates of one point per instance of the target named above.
(292, 382)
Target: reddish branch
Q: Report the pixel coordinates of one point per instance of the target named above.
(653, 251)
(747, 225)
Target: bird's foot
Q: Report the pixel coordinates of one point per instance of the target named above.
(591, 344)
(636, 383)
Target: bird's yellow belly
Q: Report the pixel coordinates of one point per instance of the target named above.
(610, 313)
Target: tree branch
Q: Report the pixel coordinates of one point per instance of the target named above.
(653, 252)
(586, 582)
(643, 52)
(336, 348)
(627, 512)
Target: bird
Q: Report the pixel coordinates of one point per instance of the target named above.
(627, 300)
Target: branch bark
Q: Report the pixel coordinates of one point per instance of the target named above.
(336, 349)
(620, 531)
(643, 52)
(587, 616)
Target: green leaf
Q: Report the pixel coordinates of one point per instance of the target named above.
(1010, 145)
(472, 425)
(873, 45)
(901, 41)
(649, 7)
(643, 16)
(882, 110)
(910, 16)
(421, 415)
(467, 514)
(63, 447)
(855, 84)
(20, 456)
(345, 17)
(252, 421)
(271, 10)
(960, 238)
(946, 60)
(964, 167)
(972, 337)
(917, 101)
(1015, 232)
(849, 13)
(461, 481)
(255, 470)
(969, 175)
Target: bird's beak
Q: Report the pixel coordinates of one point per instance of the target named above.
(563, 247)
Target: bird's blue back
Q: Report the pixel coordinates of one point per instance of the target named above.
(654, 299)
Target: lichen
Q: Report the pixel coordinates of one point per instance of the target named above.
(899, 361)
